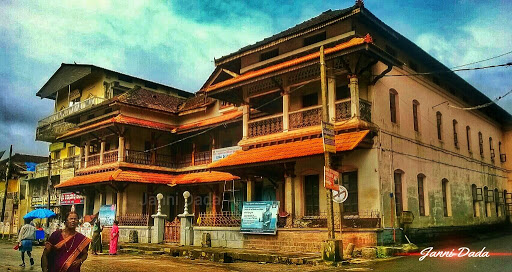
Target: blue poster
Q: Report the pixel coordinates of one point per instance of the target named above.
(107, 215)
(260, 217)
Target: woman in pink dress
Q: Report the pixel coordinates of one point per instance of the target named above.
(114, 237)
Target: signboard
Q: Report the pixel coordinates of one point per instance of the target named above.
(107, 215)
(221, 153)
(340, 195)
(71, 199)
(331, 179)
(43, 201)
(328, 136)
(260, 217)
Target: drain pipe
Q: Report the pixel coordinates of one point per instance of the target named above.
(390, 67)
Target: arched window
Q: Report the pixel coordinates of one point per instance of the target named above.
(455, 136)
(415, 115)
(481, 143)
(496, 201)
(399, 204)
(421, 194)
(393, 105)
(474, 193)
(486, 201)
(491, 148)
(439, 118)
(446, 197)
(468, 138)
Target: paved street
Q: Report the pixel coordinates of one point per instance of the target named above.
(10, 260)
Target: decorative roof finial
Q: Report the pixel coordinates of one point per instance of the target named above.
(359, 3)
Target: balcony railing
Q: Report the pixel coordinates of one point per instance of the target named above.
(306, 117)
(138, 157)
(71, 110)
(266, 125)
(343, 110)
(57, 166)
(165, 160)
(93, 160)
(50, 131)
(366, 110)
(201, 158)
(110, 156)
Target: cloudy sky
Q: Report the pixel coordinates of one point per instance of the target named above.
(175, 42)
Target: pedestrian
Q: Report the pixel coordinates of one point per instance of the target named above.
(114, 237)
(26, 235)
(96, 238)
(66, 249)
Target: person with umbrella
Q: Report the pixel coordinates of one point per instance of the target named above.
(25, 237)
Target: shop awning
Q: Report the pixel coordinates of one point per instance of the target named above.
(344, 142)
(147, 178)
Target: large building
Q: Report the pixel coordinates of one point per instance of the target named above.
(408, 153)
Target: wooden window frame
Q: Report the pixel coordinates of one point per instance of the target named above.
(439, 125)
(416, 125)
(398, 191)
(315, 211)
(455, 134)
(421, 194)
(393, 109)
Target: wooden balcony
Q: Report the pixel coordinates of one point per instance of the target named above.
(266, 125)
(77, 107)
(306, 117)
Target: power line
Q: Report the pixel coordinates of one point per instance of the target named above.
(491, 58)
(452, 70)
(483, 105)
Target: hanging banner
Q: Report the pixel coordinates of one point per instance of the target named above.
(328, 137)
(107, 215)
(260, 217)
(331, 179)
(221, 153)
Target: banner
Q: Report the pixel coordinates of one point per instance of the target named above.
(221, 153)
(71, 199)
(331, 179)
(107, 215)
(260, 217)
(328, 137)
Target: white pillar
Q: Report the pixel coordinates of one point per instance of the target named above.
(102, 150)
(245, 119)
(120, 150)
(331, 97)
(354, 96)
(87, 145)
(286, 110)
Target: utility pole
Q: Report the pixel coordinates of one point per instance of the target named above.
(327, 155)
(49, 185)
(7, 177)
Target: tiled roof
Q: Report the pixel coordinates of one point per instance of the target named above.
(121, 119)
(211, 121)
(196, 102)
(344, 142)
(322, 18)
(147, 177)
(149, 99)
(290, 63)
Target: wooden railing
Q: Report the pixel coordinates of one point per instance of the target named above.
(306, 117)
(165, 160)
(265, 125)
(172, 231)
(365, 108)
(201, 158)
(343, 109)
(93, 160)
(138, 157)
(70, 110)
(110, 156)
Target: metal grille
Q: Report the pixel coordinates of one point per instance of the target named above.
(343, 110)
(133, 220)
(366, 110)
(223, 219)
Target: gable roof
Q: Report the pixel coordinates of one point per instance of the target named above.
(68, 74)
(150, 99)
(326, 16)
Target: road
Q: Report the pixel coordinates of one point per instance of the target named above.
(10, 260)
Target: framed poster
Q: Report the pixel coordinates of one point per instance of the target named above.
(260, 217)
(107, 215)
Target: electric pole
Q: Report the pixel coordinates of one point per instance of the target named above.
(49, 185)
(7, 177)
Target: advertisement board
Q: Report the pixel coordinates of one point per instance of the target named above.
(221, 153)
(259, 217)
(331, 179)
(107, 215)
(71, 199)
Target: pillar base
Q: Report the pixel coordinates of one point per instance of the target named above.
(157, 235)
(186, 229)
(332, 250)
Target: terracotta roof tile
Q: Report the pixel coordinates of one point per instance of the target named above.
(344, 142)
(147, 177)
(211, 121)
(290, 63)
(196, 102)
(149, 99)
(121, 119)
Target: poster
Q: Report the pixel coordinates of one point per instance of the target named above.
(331, 179)
(107, 215)
(260, 217)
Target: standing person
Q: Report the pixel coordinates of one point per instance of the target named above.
(96, 238)
(25, 237)
(66, 249)
(114, 237)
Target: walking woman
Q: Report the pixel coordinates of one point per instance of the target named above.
(25, 237)
(96, 238)
(66, 249)
(114, 237)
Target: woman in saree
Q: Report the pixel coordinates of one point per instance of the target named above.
(96, 238)
(66, 249)
(114, 237)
